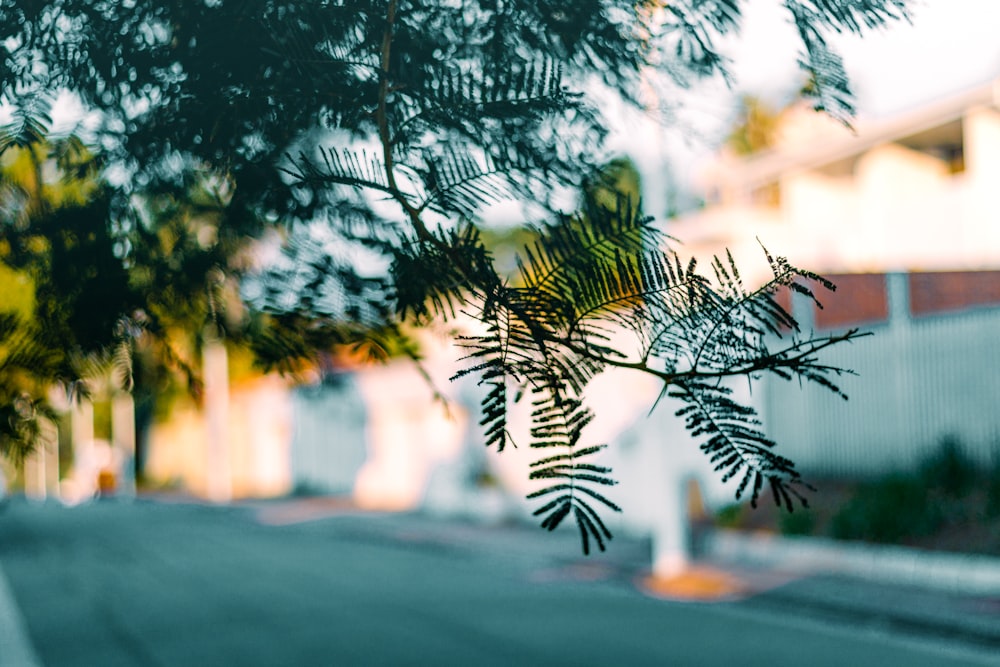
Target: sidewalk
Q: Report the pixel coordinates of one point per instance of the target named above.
(947, 572)
(968, 619)
(930, 594)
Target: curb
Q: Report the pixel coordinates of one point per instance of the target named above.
(954, 573)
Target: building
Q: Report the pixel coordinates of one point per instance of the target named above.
(904, 215)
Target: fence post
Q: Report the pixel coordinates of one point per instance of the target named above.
(908, 421)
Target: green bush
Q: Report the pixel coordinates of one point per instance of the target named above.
(949, 469)
(888, 510)
(730, 516)
(940, 500)
(993, 493)
(799, 522)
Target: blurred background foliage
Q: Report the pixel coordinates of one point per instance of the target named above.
(943, 502)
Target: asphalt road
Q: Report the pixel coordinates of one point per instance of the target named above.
(163, 585)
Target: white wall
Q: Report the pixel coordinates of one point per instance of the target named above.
(258, 436)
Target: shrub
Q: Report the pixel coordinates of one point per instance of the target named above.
(993, 493)
(799, 522)
(888, 510)
(730, 516)
(949, 469)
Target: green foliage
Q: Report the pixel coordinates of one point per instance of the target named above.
(30, 124)
(949, 469)
(730, 516)
(907, 506)
(800, 522)
(27, 366)
(756, 127)
(391, 124)
(70, 289)
(888, 510)
(583, 286)
(18, 292)
(945, 502)
(81, 286)
(828, 87)
(992, 508)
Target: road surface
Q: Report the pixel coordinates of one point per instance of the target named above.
(154, 584)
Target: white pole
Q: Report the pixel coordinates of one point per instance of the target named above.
(34, 474)
(123, 436)
(50, 447)
(84, 465)
(671, 534)
(215, 366)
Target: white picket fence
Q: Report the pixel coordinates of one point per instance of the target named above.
(329, 441)
(919, 380)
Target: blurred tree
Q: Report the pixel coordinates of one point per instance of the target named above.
(391, 124)
(89, 289)
(617, 180)
(65, 291)
(755, 128)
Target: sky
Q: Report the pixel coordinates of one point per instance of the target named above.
(950, 46)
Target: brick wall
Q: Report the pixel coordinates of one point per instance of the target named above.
(953, 291)
(861, 299)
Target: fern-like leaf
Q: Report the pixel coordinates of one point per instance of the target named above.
(345, 167)
(29, 127)
(558, 421)
(734, 442)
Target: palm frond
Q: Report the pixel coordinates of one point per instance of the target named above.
(851, 15)
(827, 83)
(27, 368)
(693, 26)
(595, 237)
(587, 280)
(122, 364)
(437, 276)
(488, 357)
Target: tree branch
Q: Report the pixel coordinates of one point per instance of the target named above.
(385, 136)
